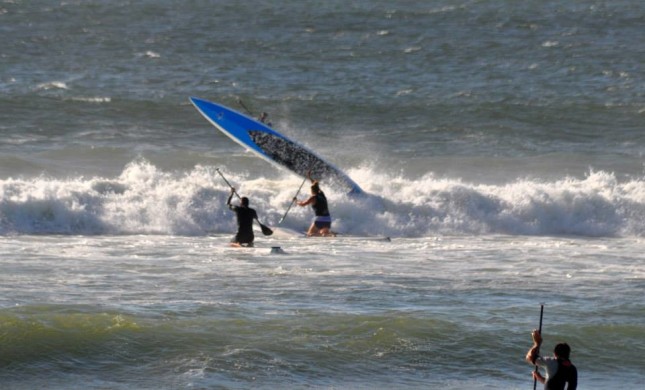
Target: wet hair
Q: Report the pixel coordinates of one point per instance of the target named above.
(245, 201)
(562, 350)
(315, 188)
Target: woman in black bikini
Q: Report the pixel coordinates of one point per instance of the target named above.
(321, 225)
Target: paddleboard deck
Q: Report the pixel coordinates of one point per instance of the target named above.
(272, 146)
(342, 237)
(286, 233)
(238, 245)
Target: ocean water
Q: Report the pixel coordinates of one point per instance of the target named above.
(502, 145)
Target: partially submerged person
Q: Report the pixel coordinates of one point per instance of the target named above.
(264, 118)
(321, 225)
(245, 216)
(559, 369)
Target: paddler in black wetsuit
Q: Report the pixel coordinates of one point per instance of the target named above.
(245, 216)
(321, 225)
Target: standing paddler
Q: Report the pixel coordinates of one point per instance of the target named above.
(321, 225)
(559, 369)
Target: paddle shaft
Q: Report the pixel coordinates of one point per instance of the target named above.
(293, 201)
(538, 349)
(244, 107)
(227, 183)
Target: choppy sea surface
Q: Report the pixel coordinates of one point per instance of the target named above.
(502, 145)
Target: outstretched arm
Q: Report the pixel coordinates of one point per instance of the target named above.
(312, 199)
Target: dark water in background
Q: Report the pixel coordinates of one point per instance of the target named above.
(504, 131)
(556, 83)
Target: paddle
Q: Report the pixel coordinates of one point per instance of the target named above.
(538, 349)
(244, 107)
(292, 201)
(265, 229)
(261, 119)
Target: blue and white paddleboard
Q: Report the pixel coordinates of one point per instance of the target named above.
(271, 145)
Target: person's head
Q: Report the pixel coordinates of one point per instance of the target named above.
(315, 189)
(244, 201)
(562, 351)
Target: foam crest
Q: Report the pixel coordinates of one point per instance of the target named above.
(52, 85)
(145, 200)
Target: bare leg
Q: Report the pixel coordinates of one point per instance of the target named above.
(326, 232)
(313, 231)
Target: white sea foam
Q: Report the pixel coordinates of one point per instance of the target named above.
(94, 99)
(52, 85)
(146, 200)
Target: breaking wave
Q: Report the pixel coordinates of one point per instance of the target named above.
(146, 200)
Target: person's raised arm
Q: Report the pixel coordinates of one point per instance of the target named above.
(228, 201)
(309, 176)
(532, 354)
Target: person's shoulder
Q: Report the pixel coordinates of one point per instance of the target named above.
(543, 360)
(550, 361)
(569, 363)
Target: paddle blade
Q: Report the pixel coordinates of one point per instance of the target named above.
(266, 230)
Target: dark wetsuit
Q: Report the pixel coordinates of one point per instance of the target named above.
(321, 210)
(245, 217)
(560, 373)
(567, 373)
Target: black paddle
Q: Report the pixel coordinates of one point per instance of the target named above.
(292, 201)
(260, 119)
(244, 107)
(537, 351)
(265, 229)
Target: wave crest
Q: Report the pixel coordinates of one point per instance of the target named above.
(146, 200)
